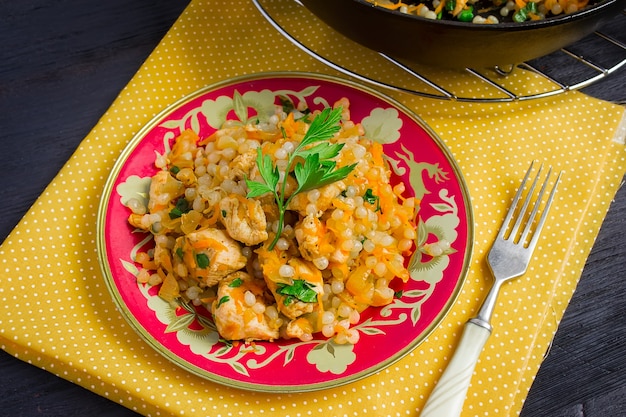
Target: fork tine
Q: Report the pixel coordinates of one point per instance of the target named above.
(509, 215)
(522, 212)
(511, 212)
(542, 219)
(538, 199)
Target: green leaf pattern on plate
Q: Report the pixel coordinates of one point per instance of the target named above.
(331, 357)
(383, 125)
(134, 187)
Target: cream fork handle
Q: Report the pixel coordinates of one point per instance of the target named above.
(449, 394)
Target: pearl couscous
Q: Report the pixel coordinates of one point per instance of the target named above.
(339, 249)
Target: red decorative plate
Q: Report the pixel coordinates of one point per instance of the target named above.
(416, 156)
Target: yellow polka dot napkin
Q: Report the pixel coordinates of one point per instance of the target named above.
(56, 312)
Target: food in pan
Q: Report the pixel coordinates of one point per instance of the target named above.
(485, 11)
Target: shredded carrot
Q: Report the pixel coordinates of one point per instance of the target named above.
(391, 6)
(351, 245)
(211, 138)
(439, 7)
(262, 135)
(208, 244)
(290, 126)
(165, 261)
(459, 6)
(211, 219)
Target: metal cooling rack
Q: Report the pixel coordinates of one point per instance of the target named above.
(577, 59)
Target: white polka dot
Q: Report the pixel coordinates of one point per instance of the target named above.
(56, 313)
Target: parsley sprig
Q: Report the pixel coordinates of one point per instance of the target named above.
(317, 170)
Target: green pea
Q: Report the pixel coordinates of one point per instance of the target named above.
(520, 16)
(466, 15)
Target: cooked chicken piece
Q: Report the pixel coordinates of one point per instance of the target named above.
(305, 277)
(311, 236)
(163, 189)
(244, 219)
(210, 255)
(327, 193)
(242, 166)
(239, 308)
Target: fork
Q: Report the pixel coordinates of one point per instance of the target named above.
(508, 258)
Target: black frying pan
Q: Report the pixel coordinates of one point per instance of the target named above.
(453, 44)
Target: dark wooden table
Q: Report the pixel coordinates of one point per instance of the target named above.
(62, 63)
